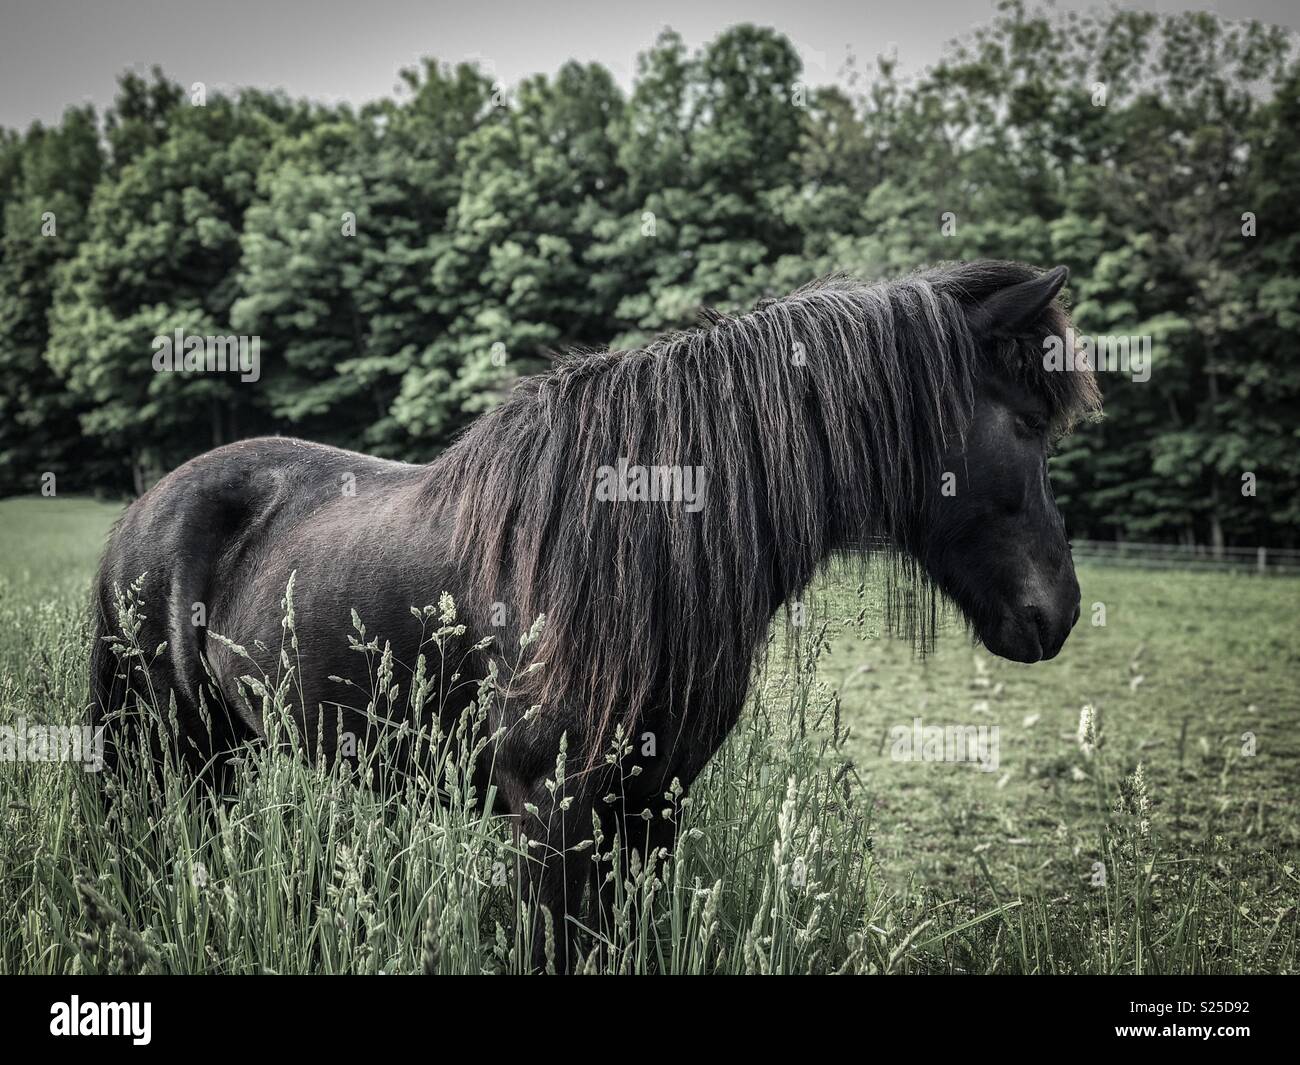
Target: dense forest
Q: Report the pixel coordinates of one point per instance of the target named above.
(402, 263)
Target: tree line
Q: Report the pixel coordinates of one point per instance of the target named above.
(402, 262)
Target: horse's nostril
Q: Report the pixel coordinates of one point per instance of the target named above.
(1037, 616)
(1075, 620)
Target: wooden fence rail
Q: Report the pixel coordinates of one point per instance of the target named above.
(1271, 561)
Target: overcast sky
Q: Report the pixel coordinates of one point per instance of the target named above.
(58, 52)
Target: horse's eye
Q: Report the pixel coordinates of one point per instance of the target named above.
(1032, 424)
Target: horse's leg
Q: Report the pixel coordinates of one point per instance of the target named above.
(556, 874)
(636, 836)
(655, 837)
(156, 703)
(601, 899)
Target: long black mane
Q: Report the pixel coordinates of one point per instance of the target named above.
(820, 421)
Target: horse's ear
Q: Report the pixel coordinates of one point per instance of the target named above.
(1012, 309)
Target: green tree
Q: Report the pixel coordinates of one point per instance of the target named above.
(511, 276)
(160, 254)
(48, 178)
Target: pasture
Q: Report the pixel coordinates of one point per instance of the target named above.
(1164, 838)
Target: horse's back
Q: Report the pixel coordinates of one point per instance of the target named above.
(228, 493)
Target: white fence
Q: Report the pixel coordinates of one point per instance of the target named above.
(1270, 561)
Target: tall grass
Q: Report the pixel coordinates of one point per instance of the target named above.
(302, 869)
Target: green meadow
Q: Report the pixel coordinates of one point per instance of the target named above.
(1161, 834)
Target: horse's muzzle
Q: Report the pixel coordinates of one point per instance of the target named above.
(1032, 632)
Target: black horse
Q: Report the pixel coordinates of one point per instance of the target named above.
(911, 418)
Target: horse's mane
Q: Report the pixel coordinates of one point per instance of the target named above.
(820, 420)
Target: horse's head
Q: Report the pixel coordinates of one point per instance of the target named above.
(996, 541)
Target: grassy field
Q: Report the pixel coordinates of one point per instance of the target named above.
(1165, 840)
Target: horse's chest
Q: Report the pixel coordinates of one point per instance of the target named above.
(667, 748)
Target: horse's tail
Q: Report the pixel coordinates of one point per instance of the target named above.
(107, 694)
(159, 564)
